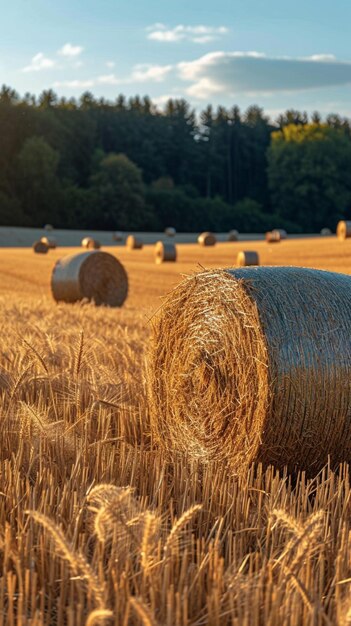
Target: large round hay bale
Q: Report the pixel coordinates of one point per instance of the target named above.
(247, 257)
(326, 232)
(48, 227)
(170, 231)
(117, 236)
(343, 230)
(207, 239)
(50, 242)
(283, 234)
(165, 252)
(233, 235)
(254, 365)
(96, 276)
(273, 236)
(90, 243)
(134, 243)
(40, 247)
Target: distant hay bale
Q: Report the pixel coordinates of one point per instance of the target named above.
(283, 234)
(343, 230)
(133, 243)
(247, 257)
(170, 231)
(117, 236)
(254, 365)
(207, 239)
(165, 252)
(48, 227)
(40, 247)
(96, 276)
(50, 242)
(233, 235)
(90, 243)
(273, 236)
(326, 232)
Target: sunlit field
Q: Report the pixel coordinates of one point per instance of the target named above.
(96, 527)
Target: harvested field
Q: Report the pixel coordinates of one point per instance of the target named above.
(172, 542)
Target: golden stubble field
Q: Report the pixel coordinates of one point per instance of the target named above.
(96, 527)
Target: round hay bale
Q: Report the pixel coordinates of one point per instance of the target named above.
(133, 243)
(254, 365)
(90, 243)
(40, 247)
(283, 234)
(233, 235)
(273, 236)
(343, 230)
(326, 232)
(165, 252)
(247, 257)
(96, 276)
(50, 242)
(48, 227)
(207, 239)
(117, 236)
(170, 231)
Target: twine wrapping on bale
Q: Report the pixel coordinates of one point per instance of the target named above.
(282, 233)
(273, 236)
(96, 276)
(326, 232)
(247, 257)
(254, 365)
(40, 247)
(170, 231)
(90, 243)
(233, 235)
(165, 252)
(343, 230)
(50, 242)
(206, 239)
(133, 243)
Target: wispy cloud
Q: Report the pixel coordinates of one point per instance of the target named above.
(196, 34)
(154, 73)
(74, 84)
(110, 64)
(70, 51)
(109, 79)
(230, 73)
(38, 63)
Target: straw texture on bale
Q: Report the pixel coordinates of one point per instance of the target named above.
(233, 235)
(90, 243)
(96, 276)
(133, 243)
(50, 242)
(206, 239)
(273, 236)
(165, 252)
(325, 232)
(247, 257)
(170, 231)
(40, 247)
(283, 234)
(117, 236)
(254, 365)
(343, 230)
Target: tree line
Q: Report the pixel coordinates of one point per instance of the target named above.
(92, 163)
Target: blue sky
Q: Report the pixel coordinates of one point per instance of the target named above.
(276, 54)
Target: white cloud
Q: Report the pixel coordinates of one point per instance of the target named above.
(39, 62)
(196, 34)
(110, 64)
(75, 84)
(230, 73)
(109, 79)
(160, 101)
(154, 73)
(70, 51)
